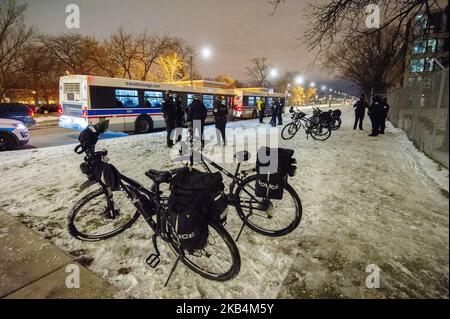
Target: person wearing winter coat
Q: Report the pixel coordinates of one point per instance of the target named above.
(384, 113)
(280, 111)
(375, 115)
(196, 117)
(169, 111)
(261, 106)
(220, 116)
(360, 110)
(179, 117)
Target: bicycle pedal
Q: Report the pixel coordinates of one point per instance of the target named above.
(153, 260)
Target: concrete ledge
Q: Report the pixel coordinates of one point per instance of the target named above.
(32, 267)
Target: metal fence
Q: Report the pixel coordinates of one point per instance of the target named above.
(421, 111)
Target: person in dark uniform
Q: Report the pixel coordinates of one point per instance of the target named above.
(280, 111)
(220, 116)
(180, 117)
(360, 110)
(384, 113)
(196, 117)
(375, 114)
(273, 120)
(261, 105)
(169, 111)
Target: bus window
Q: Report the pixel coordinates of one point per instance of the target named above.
(208, 100)
(153, 99)
(127, 98)
(251, 101)
(270, 102)
(190, 99)
(102, 97)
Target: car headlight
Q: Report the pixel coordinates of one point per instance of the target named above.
(20, 126)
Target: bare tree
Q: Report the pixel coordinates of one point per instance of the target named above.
(150, 48)
(170, 67)
(259, 71)
(372, 62)
(123, 50)
(13, 36)
(75, 52)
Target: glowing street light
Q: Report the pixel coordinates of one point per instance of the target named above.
(273, 73)
(324, 87)
(312, 84)
(206, 53)
(299, 80)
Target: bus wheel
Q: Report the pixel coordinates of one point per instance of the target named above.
(144, 125)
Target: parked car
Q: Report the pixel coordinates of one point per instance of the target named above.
(17, 111)
(12, 134)
(48, 108)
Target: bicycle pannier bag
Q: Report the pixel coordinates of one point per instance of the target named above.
(190, 206)
(273, 167)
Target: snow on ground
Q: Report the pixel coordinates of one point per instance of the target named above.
(365, 201)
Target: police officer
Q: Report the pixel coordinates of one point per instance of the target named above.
(169, 111)
(280, 111)
(384, 113)
(261, 105)
(220, 116)
(273, 120)
(196, 117)
(375, 114)
(179, 116)
(360, 110)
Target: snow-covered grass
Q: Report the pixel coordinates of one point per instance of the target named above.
(365, 201)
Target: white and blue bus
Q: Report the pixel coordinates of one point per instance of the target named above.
(131, 106)
(246, 100)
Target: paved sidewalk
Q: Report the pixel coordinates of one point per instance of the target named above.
(33, 268)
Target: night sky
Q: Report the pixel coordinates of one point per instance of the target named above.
(236, 30)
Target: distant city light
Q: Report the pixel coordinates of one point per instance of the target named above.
(312, 84)
(206, 52)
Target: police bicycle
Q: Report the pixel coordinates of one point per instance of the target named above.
(314, 126)
(118, 203)
(268, 217)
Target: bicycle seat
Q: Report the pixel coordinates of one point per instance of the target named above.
(242, 156)
(159, 177)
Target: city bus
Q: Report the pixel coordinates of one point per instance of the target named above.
(245, 102)
(129, 105)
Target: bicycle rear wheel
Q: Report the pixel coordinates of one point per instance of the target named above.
(219, 260)
(268, 217)
(289, 131)
(320, 132)
(91, 219)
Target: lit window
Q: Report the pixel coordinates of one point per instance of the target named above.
(417, 65)
(431, 46)
(208, 101)
(153, 99)
(429, 65)
(127, 98)
(419, 47)
(251, 101)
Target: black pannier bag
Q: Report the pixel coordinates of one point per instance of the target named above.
(336, 113)
(273, 168)
(195, 200)
(325, 117)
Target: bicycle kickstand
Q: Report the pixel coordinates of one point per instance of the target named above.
(153, 260)
(243, 225)
(172, 271)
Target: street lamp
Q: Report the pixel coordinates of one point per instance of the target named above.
(206, 53)
(299, 80)
(273, 73)
(312, 84)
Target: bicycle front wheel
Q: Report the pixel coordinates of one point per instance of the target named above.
(273, 218)
(289, 131)
(98, 217)
(219, 260)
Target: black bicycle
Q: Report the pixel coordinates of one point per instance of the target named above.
(120, 201)
(269, 217)
(313, 126)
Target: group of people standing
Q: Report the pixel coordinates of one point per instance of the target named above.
(377, 112)
(196, 112)
(277, 111)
